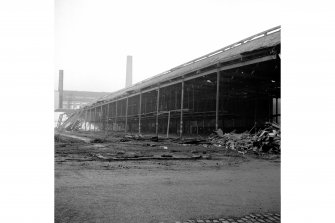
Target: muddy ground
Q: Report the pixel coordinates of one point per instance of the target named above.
(117, 179)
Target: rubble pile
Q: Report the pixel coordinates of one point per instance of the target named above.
(266, 140)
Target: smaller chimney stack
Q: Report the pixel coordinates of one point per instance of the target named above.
(60, 88)
(129, 74)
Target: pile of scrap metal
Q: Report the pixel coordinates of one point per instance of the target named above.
(266, 140)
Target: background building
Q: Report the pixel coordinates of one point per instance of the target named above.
(76, 99)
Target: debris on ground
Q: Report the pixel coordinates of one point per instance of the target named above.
(219, 132)
(62, 140)
(193, 141)
(98, 140)
(139, 137)
(166, 155)
(149, 144)
(134, 137)
(266, 140)
(100, 156)
(196, 156)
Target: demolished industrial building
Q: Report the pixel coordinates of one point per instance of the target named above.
(234, 88)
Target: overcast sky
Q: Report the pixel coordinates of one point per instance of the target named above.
(93, 37)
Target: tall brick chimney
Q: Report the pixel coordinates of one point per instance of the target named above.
(60, 88)
(129, 74)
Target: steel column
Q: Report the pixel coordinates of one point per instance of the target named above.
(217, 99)
(168, 125)
(125, 127)
(101, 117)
(90, 119)
(95, 118)
(181, 108)
(85, 119)
(107, 117)
(139, 115)
(116, 114)
(157, 110)
(92, 114)
(276, 110)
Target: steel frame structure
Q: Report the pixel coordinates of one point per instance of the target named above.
(168, 89)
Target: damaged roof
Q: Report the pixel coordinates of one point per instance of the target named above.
(261, 40)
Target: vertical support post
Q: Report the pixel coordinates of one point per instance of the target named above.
(276, 110)
(107, 117)
(217, 98)
(193, 101)
(203, 124)
(168, 125)
(181, 108)
(101, 118)
(95, 118)
(271, 111)
(85, 119)
(116, 114)
(197, 128)
(157, 110)
(125, 127)
(91, 119)
(255, 112)
(139, 114)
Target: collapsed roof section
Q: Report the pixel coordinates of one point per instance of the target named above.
(235, 51)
